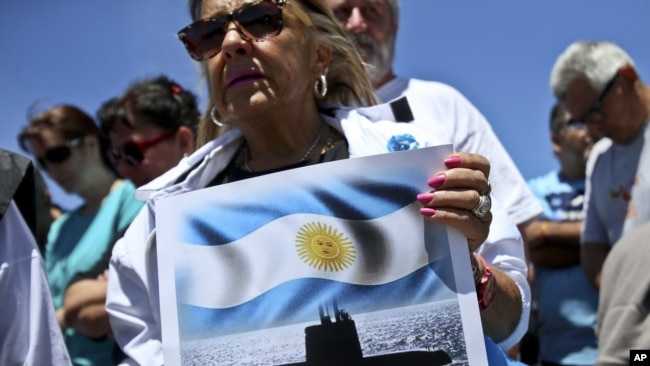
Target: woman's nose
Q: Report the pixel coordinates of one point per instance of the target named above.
(234, 43)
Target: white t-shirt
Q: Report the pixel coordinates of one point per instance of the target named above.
(29, 332)
(454, 120)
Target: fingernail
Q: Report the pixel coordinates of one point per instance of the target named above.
(425, 197)
(453, 162)
(436, 181)
(427, 211)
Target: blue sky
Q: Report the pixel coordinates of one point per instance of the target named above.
(497, 52)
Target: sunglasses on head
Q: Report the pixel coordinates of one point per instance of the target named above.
(133, 152)
(59, 154)
(254, 22)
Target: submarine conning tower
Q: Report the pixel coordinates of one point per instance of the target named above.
(333, 342)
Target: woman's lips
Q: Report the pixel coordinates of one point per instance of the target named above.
(243, 76)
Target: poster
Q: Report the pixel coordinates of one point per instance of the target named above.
(329, 264)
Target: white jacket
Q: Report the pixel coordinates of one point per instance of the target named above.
(133, 290)
(29, 332)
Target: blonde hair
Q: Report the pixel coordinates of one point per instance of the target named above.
(208, 130)
(347, 80)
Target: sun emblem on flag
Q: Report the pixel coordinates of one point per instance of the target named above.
(324, 248)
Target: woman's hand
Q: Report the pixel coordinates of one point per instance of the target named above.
(457, 195)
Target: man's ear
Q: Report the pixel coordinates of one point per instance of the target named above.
(556, 142)
(629, 73)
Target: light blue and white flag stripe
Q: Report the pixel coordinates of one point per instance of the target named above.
(360, 199)
(365, 252)
(298, 301)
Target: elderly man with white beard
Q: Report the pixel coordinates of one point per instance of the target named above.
(372, 25)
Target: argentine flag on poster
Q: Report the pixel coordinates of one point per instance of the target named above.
(251, 264)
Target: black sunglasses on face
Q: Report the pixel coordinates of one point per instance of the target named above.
(133, 152)
(594, 114)
(58, 154)
(254, 22)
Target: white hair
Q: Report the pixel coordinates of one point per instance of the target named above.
(598, 61)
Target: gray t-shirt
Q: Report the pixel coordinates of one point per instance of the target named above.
(623, 321)
(618, 188)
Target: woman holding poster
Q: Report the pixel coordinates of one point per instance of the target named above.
(281, 74)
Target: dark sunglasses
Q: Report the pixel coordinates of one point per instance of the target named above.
(133, 152)
(254, 22)
(594, 114)
(59, 154)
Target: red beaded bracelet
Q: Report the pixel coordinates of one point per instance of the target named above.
(483, 279)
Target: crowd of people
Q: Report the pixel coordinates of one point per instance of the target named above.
(557, 261)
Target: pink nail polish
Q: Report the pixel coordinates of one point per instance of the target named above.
(437, 181)
(427, 211)
(425, 198)
(453, 162)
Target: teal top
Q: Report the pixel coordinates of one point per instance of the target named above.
(75, 243)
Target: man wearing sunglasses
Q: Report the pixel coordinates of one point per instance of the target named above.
(598, 84)
(565, 314)
(151, 128)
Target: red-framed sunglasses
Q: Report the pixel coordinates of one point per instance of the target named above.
(132, 152)
(254, 22)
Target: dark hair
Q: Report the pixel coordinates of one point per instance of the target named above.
(161, 100)
(558, 118)
(70, 122)
(109, 113)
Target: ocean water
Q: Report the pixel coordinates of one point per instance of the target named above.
(431, 326)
